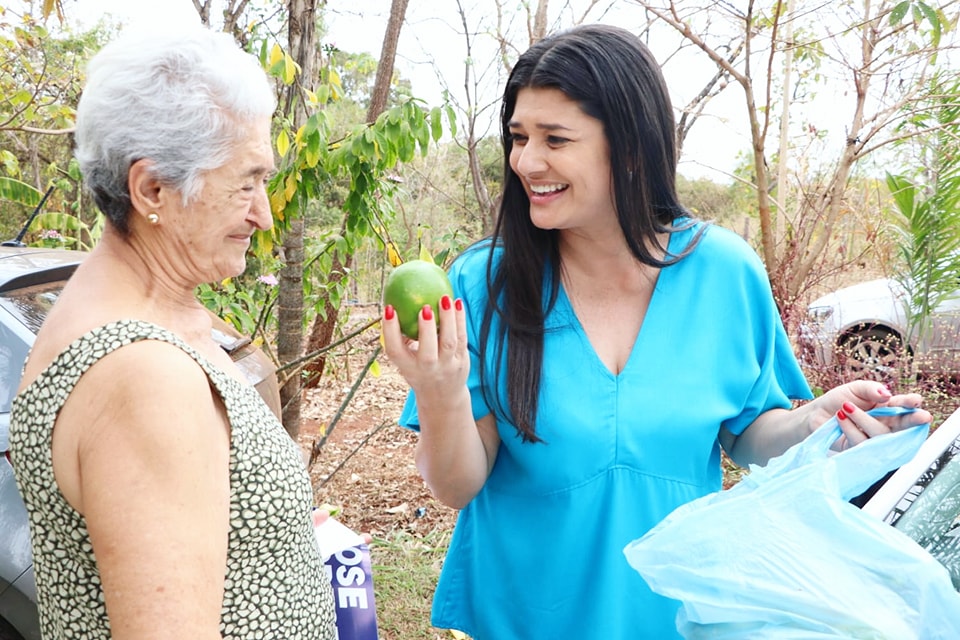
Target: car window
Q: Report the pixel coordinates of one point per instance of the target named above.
(28, 307)
(930, 511)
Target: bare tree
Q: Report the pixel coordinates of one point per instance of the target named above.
(232, 13)
(872, 50)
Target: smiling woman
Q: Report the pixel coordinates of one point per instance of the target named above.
(165, 499)
(585, 377)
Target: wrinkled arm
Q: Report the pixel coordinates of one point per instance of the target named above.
(153, 460)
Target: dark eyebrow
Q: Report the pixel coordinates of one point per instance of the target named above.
(545, 126)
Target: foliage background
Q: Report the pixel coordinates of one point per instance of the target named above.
(828, 194)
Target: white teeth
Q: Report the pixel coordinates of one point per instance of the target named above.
(547, 188)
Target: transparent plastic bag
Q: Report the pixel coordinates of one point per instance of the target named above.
(784, 555)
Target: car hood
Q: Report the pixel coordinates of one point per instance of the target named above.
(879, 289)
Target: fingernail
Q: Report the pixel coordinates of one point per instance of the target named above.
(445, 303)
(427, 312)
(883, 391)
(388, 312)
(458, 304)
(848, 408)
(841, 415)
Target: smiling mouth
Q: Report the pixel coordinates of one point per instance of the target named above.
(546, 189)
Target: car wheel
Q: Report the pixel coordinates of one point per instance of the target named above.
(7, 632)
(872, 354)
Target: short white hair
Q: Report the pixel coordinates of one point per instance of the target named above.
(177, 98)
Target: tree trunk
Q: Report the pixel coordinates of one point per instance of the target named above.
(322, 332)
(301, 34)
(388, 55)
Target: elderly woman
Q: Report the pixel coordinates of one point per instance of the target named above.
(165, 499)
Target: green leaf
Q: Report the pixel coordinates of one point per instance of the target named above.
(436, 124)
(934, 19)
(452, 120)
(19, 192)
(898, 12)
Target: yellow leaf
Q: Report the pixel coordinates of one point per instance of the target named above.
(459, 635)
(283, 143)
(312, 98)
(425, 253)
(264, 246)
(278, 201)
(289, 70)
(290, 187)
(225, 282)
(393, 255)
(375, 369)
(276, 54)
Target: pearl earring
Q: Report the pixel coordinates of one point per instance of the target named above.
(153, 218)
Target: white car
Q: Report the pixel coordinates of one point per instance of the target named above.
(862, 330)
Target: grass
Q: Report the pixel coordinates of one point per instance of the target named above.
(405, 570)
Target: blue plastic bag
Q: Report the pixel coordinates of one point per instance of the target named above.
(783, 554)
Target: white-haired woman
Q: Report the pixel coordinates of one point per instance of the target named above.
(165, 499)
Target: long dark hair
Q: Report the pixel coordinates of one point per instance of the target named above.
(614, 78)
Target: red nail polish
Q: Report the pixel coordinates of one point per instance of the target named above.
(841, 415)
(388, 312)
(445, 303)
(458, 304)
(427, 312)
(848, 408)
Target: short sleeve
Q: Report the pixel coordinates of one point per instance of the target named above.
(779, 378)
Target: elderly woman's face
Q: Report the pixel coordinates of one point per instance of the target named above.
(213, 232)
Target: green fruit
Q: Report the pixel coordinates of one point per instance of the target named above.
(412, 285)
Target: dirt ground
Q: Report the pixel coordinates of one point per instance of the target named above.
(366, 467)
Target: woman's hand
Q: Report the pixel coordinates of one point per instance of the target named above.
(321, 515)
(455, 451)
(851, 401)
(437, 364)
(776, 430)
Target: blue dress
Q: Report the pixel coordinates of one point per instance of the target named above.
(538, 553)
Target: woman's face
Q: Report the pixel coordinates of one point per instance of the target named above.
(563, 160)
(212, 233)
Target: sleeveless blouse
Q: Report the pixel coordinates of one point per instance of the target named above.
(276, 584)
